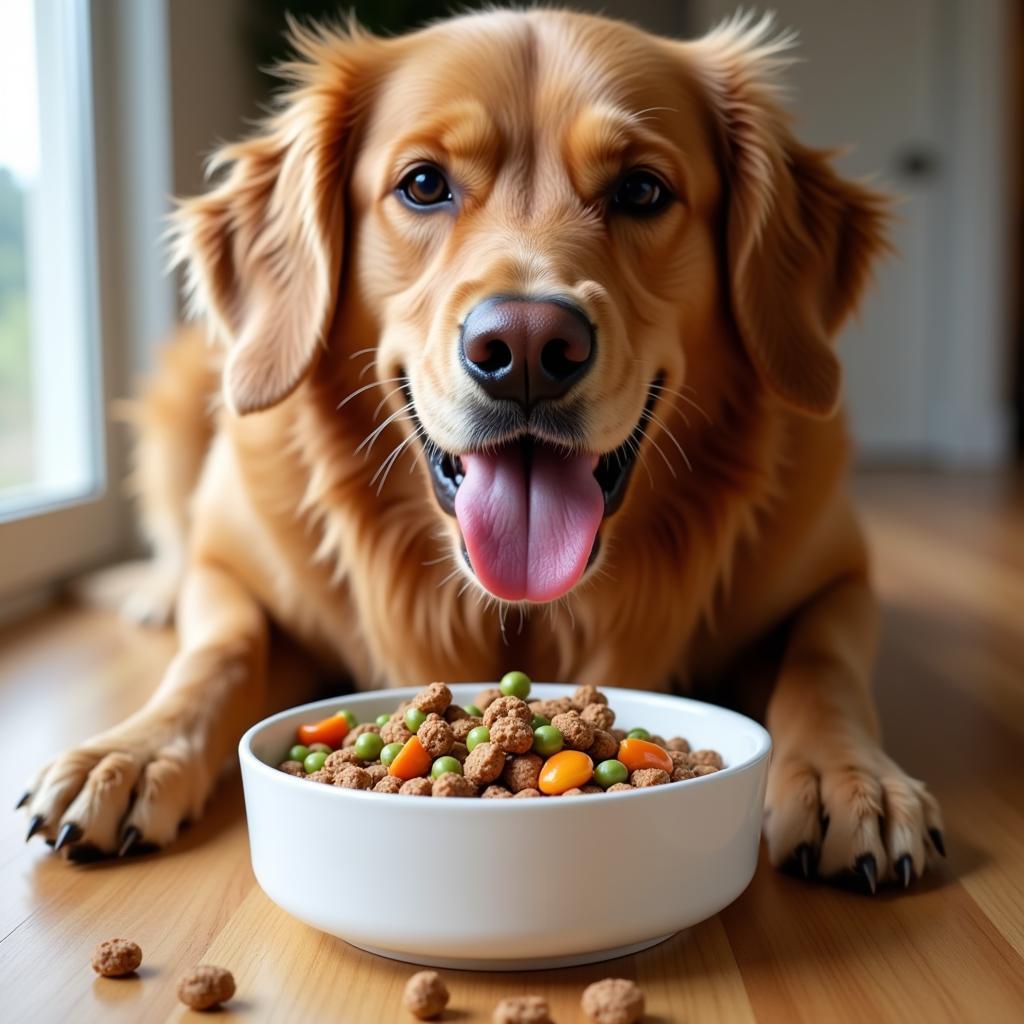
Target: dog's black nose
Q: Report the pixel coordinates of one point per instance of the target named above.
(527, 349)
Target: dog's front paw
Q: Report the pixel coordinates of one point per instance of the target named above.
(127, 790)
(850, 810)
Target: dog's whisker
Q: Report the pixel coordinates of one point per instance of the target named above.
(363, 352)
(689, 401)
(660, 451)
(371, 365)
(371, 438)
(436, 561)
(672, 437)
(465, 586)
(366, 387)
(383, 401)
(390, 460)
(448, 578)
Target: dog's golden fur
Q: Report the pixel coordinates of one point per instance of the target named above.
(325, 296)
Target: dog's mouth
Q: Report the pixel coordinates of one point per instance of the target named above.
(530, 510)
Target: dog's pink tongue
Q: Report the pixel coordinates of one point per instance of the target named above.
(529, 530)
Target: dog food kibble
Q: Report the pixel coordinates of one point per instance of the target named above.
(512, 748)
(638, 753)
(512, 735)
(115, 958)
(436, 736)
(522, 1010)
(206, 986)
(515, 684)
(568, 769)
(613, 1001)
(425, 995)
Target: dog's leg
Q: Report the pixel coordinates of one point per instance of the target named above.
(835, 800)
(138, 782)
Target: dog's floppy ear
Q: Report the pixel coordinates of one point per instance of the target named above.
(800, 240)
(263, 248)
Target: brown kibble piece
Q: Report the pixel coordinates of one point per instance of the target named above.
(324, 775)
(206, 986)
(526, 794)
(359, 730)
(613, 1001)
(485, 698)
(339, 759)
(425, 994)
(495, 793)
(605, 745)
(460, 752)
(644, 777)
(590, 790)
(703, 769)
(678, 743)
(680, 759)
(600, 716)
(507, 707)
(681, 774)
(707, 757)
(376, 772)
(577, 733)
(436, 736)
(550, 708)
(453, 784)
(658, 741)
(292, 768)
(484, 763)
(454, 712)
(464, 726)
(522, 1010)
(114, 958)
(352, 777)
(619, 787)
(584, 695)
(395, 731)
(389, 784)
(416, 787)
(619, 734)
(575, 791)
(512, 735)
(433, 698)
(523, 772)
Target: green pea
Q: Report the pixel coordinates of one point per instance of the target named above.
(608, 773)
(515, 684)
(298, 753)
(472, 709)
(547, 740)
(368, 746)
(314, 762)
(349, 717)
(319, 748)
(414, 718)
(481, 734)
(382, 720)
(638, 734)
(538, 721)
(443, 765)
(389, 753)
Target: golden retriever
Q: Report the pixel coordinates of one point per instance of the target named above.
(523, 335)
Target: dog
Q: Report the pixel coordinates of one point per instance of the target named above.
(522, 356)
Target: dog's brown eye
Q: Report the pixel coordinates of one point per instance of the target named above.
(425, 186)
(641, 194)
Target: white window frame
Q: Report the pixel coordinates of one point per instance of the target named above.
(116, 56)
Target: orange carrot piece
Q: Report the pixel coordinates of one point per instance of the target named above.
(329, 730)
(636, 754)
(412, 760)
(565, 770)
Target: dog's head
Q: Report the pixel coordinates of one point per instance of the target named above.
(559, 235)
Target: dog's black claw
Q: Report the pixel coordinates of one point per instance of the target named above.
(905, 870)
(131, 836)
(867, 867)
(25, 797)
(34, 826)
(937, 841)
(805, 858)
(85, 853)
(69, 833)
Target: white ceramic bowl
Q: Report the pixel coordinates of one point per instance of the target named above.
(509, 884)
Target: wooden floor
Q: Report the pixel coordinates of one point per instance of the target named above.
(950, 565)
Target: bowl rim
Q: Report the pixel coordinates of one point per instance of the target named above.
(248, 758)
